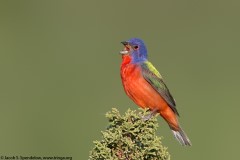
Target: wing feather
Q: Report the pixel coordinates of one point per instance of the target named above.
(154, 78)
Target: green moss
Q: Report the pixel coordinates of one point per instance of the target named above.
(129, 137)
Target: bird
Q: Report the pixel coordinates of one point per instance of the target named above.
(145, 86)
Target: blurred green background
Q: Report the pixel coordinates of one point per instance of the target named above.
(59, 67)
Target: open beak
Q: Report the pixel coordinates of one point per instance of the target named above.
(126, 48)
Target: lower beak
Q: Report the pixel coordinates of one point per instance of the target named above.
(123, 52)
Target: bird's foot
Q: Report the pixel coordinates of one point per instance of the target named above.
(147, 117)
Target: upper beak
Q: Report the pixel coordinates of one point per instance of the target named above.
(124, 42)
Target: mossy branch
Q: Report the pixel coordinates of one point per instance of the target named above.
(129, 137)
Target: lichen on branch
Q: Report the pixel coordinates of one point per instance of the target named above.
(129, 137)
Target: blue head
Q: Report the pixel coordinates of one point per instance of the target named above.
(135, 48)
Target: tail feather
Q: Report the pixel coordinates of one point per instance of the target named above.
(181, 137)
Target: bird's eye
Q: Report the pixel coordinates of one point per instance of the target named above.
(135, 47)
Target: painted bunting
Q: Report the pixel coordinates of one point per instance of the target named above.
(145, 86)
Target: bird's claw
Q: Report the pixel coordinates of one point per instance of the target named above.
(147, 117)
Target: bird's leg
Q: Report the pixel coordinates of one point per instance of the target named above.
(153, 112)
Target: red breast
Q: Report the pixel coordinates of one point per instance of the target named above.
(137, 88)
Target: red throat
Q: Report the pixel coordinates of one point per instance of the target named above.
(126, 59)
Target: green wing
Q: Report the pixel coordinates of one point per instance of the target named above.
(154, 78)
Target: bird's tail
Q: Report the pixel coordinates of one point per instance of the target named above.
(181, 136)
